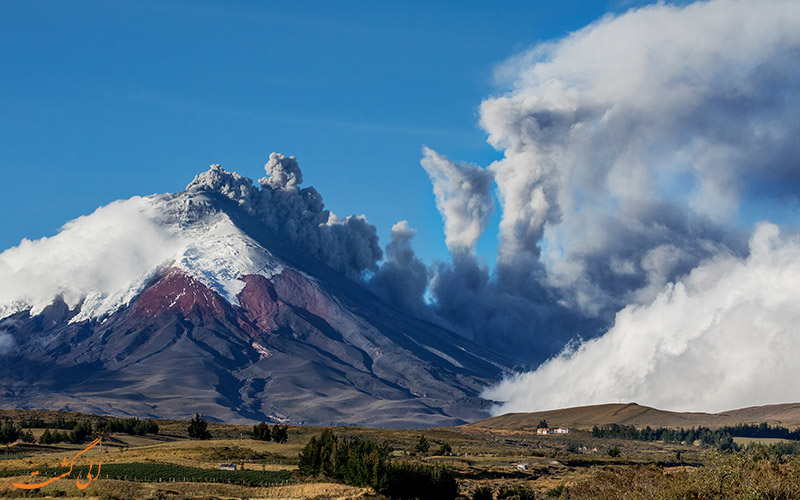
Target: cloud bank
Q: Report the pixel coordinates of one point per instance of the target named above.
(96, 256)
(723, 337)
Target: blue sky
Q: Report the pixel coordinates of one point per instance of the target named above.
(102, 100)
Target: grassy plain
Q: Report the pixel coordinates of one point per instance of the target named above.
(576, 465)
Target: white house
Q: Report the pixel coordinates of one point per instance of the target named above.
(559, 430)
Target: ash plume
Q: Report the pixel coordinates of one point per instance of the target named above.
(349, 245)
(402, 278)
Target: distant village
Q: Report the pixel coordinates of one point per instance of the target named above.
(543, 428)
(557, 430)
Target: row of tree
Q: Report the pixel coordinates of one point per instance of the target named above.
(762, 430)
(39, 423)
(363, 462)
(79, 434)
(72, 431)
(10, 432)
(279, 434)
(132, 426)
(719, 439)
(198, 429)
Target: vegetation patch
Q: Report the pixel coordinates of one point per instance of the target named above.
(363, 462)
(165, 473)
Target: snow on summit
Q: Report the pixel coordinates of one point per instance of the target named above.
(103, 261)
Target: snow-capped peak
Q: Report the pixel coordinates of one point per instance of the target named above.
(102, 261)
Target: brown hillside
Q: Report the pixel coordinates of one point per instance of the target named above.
(585, 417)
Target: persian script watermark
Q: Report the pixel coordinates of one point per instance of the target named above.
(71, 463)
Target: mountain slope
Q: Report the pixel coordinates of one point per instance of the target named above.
(229, 318)
(586, 417)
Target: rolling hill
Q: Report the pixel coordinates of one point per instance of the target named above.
(586, 417)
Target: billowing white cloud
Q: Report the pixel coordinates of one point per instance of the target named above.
(464, 198)
(725, 336)
(630, 143)
(98, 256)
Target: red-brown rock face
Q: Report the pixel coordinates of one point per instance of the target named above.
(176, 291)
(260, 302)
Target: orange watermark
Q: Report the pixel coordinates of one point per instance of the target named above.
(81, 485)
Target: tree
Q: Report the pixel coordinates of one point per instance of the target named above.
(542, 425)
(198, 428)
(445, 449)
(9, 433)
(80, 432)
(422, 445)
(261, 432)
(27, 437)
(614, 452)
(46, 437)
(280, 434)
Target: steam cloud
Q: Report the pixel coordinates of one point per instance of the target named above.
(464, 198)
(629, 144)
(723, 337)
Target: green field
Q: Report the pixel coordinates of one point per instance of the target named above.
(162, 473)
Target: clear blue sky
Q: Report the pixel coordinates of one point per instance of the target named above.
(102, 100)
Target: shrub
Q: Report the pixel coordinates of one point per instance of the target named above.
(557, 492)
(9, 432)
(516, 492)
(422, 445)
(408, 480)
(482, 493)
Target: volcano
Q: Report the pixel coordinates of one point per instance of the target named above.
(203, 301)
